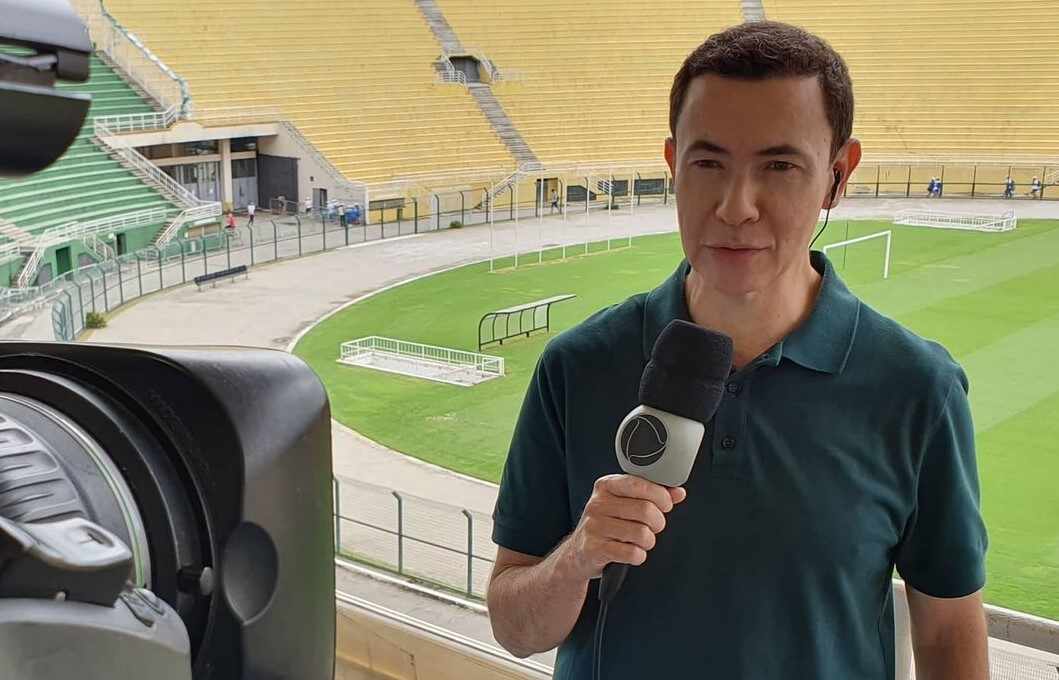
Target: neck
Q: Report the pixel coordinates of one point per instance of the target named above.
(757, 320)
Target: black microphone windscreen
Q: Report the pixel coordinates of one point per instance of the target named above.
(687, 371)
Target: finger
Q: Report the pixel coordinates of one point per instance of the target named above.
(624, 531)
(631, 509)
(678, 494)
(625, 553)
(628, 486)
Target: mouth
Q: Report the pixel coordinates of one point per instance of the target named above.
(734, 253)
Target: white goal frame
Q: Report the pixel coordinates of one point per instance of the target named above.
(416, 360)
(951, 219)
(888, 235)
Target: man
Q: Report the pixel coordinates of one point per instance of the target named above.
(1035, 187)
(843, 445)
(555, 202)
(250, 210)
(1009, 187)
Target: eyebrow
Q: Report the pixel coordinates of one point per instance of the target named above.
(778, 150)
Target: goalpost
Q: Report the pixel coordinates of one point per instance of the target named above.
(888, 235)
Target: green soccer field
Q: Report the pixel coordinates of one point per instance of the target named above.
(991, 299)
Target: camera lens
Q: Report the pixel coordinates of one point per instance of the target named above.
(75, 444)
(51, 469)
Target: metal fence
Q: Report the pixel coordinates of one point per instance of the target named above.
(439, 544)
(959, 179)
(107, 285)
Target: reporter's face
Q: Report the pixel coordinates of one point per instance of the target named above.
(752, 170)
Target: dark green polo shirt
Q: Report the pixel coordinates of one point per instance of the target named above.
(844, 450)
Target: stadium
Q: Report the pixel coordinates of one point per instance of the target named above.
(415, 196)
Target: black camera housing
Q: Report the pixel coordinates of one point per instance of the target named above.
(227, 455)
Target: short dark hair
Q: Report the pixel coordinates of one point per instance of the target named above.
(757, 50)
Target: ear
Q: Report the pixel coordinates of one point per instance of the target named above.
(846, 161)
(670, 153)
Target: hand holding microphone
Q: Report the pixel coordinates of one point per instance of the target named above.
(619, 523)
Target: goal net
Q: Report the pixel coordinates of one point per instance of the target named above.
(947, 219)
(440, 364)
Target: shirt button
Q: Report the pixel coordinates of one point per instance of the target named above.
(728, 443)
(733, 388)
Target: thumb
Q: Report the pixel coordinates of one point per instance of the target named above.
(678, 494)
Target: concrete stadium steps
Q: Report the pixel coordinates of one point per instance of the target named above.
(595, 77)
(957, 77)
(385, 74)
(86, 183)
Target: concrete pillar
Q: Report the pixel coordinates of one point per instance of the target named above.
(227, 190)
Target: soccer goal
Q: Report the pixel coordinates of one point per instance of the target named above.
(888, 235)
(948, 219)
(440, 364)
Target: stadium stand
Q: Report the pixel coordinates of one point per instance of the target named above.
(588, 81)
(965, 79)
(358, 79)
(86, 184)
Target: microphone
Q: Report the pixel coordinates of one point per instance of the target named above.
(680, 390)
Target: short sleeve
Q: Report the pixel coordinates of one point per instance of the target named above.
(942, 552)
(532, 512)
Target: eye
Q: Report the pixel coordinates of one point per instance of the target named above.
(706, 163)
(782, 166)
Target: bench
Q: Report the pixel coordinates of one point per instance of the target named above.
(213, 277)
(512, 322)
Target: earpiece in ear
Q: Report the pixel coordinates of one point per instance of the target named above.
(834, 187)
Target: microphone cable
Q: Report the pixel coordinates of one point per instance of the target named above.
(609, 585)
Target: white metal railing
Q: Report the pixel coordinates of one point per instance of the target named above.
(138, 162)
(73, 231)
(137, 122)
(129, 54)
(452, 76)
(947, 219)
(100, 248)
(482, 363)
(190, 216)
(503, 184)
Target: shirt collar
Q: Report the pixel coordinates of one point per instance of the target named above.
(822, 343)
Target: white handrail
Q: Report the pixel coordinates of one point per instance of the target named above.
(137, 122)
(72, 231)
(134, 58)
(132, 157)
(453, 76)
(189, 216)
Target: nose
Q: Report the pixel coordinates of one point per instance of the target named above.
(738, 204)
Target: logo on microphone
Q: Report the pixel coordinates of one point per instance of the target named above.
(643, 441)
